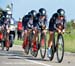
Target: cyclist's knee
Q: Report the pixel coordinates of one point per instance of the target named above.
(51, 33)
(25, 32)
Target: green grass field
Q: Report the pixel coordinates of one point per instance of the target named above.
(69, 41)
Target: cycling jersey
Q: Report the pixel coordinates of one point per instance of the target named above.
(42, 22)
(12, 24)
(29, 23)
(25, 21)
(55, 22)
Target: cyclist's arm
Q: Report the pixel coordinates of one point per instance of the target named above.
(64, 25)
(45, 22)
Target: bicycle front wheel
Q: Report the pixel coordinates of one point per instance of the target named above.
(60, 48)
(2, 45)
(43, 45)
(34, 47)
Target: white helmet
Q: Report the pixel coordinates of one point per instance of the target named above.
(9, 12)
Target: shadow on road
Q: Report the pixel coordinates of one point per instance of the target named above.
(15, 54)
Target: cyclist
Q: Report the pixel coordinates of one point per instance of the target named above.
(2, 18)
(35, 30)
(10, 27)
(28, 25)
(24, 24)
(56, 21)
(42, 20)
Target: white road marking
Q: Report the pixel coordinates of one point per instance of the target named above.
(14, 63)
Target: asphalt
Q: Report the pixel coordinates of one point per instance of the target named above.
(16, 57)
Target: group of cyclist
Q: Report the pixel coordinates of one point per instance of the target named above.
(38, 22)
(7, 24)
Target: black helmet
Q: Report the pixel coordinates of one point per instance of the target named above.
(33, 12)
(26, 17)
(37, 15)
(29, 14)
(42, 11)
(61, 12)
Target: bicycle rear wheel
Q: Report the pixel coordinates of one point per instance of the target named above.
(27, 46)
(7, 45)
(60, 48)
(34, 47)
(43, 45)
(52, 53)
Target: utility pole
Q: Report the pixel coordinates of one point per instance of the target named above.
(12, 7)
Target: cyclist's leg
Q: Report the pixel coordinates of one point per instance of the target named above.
(35, 38)
(25, 36)
(50, 41)
(44, 32)
(35, 35)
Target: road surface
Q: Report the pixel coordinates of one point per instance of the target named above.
(16, 57)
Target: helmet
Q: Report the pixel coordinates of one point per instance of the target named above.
(61, 12)
(26, 16)
(37, 15)
(9, 12)
(42, 11)
(29, 15)
(33, 12)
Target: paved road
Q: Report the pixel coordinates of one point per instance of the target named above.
(16, 57)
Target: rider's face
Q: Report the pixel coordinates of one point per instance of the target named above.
(42, 17)
(60, 17)
(32, 18)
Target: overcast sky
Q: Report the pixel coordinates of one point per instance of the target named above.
(21, 7)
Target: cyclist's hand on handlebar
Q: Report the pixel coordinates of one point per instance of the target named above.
(8, 30)
(59, 31)
(43, 26)
(63, 31)
(35, 28)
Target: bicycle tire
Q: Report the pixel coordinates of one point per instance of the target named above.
(43, 53)
(7, 45)
(62, 45)
(27, 47)
(34, 53)
(2, 45)
(52, 49)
